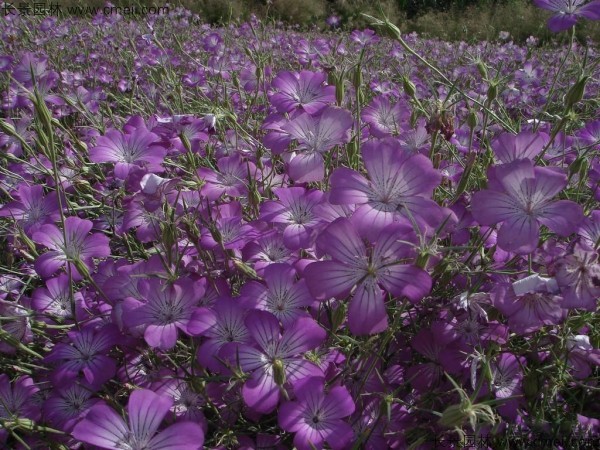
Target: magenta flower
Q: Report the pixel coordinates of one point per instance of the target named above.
(439, 345)
(67, 405)
(519, 196)
(295, 212)
(268, 248)
(507, 375)
(232, 178)
(104, 428)
(352, 264)
(32, 209)
(568, 12)
(275, 358)
(364, 37)
(385, 118)
(166, 309)
(526, 145)
(316, 417)
(399, 184)
(578, 276)
(87, 355)
(304, 90)
(72, 244)
(581, 356)
(315, 136)
(529, 303)
(140, 148)
(55, 299)
(589, 230)
(222, 324)
(16, 401)
(282, 296)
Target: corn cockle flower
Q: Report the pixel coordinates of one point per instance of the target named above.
(295, 212)
(315, 136)
(352, 264)
(73, 244)
(316, 417)
(140, 148)
(275, 358)
(578, 276)
(520, 196)
(282, 296)
(385, 118)
(16, 401)
(165, 309)
(68, 404)
(399, 184)
(232, 178)
(568, 12)
(525, 145)
(304, 90)
(222, 324)
(104, 428)
(32, 209)
(529, 303)
(87, 355)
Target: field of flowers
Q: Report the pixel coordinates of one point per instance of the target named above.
(254, 238)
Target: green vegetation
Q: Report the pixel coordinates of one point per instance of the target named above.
(466, 20)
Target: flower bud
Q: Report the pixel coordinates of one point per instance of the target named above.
(409, 87)
(279, 372)
(472, 120)
(576, 92)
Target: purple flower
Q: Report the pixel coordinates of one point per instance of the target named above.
(385, 119)
(69, 245)
(16, 401)
(315, 136)
(268, 248)
(228, 228)
(232, 178)
(55, 299)
(86, 355)
(399, 184)
(275, 358)
(188, 404)
(32, 209)
(282, 296)
(590, 230)
(104, 428)
(138, 149)
(68, 404)
(507, 375)
(364, 37)
(581, 356)
(578, 276)
(568, 12)
(166, 309)
(529, 303)
(520, 197)
(304, 90)
(352, 264)
(295, 211)
(222, 324)
(316, 417)
(526, 145)
(438, 345)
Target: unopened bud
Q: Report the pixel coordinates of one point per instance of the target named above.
(576, 92)
(409, 87)
(279, 372)
(492, 92)
(482, 69)
(472, 120)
